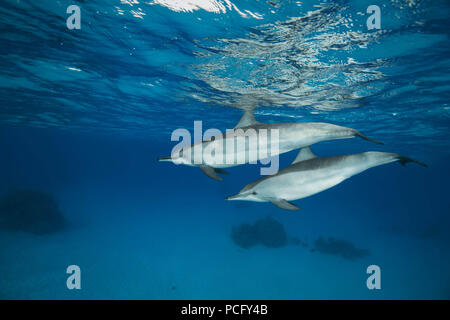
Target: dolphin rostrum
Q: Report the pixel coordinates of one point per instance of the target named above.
(291, 136)
(309, 175)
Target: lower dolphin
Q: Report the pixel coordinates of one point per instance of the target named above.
(309, 175)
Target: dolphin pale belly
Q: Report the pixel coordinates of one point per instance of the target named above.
(309, 175)
(289, 136)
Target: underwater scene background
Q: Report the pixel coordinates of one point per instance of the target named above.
(85, 113)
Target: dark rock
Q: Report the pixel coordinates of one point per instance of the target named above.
(267, 232)
(340, 247)
(270, 233)
(30, 211)
(245, 236)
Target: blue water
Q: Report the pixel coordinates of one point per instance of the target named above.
(85, 113)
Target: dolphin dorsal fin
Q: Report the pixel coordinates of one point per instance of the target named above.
(247, 119)
(304, 154)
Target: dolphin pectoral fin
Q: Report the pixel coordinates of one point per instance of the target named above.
(304, 154)
(210, 172)
(284, 204)
(359, 134)
(221, 171)
(404, 160)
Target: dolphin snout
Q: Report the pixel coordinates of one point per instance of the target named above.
(235, 197)
(169, 158)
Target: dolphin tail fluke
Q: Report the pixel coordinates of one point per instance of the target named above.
(404, 160)
(359, 134)
(212, 172)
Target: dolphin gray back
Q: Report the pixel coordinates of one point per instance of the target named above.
(369, 158)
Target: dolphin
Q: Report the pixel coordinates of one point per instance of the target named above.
(309, 175)
(291, 136)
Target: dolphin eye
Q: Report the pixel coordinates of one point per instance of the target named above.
(254, 192)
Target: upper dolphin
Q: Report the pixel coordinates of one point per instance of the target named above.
(309, 175)
(291, 136)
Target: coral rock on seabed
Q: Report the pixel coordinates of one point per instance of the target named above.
(30, 211)
(244, 236)
(339, 247)
(267, 232)
(271, 233)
